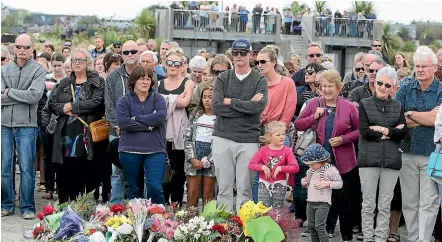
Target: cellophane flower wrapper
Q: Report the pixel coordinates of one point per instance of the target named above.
(71, 224)
(139, 213)
(53, 221)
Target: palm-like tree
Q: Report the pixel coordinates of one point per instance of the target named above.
(145, 23)
(320, 6)
(390, 43)
(295, 7)
(363, 6)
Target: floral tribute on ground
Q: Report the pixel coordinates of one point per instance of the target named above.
(141, 221)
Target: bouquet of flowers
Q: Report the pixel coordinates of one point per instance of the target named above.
(206, 162)
(196, 230)
(138, 213)
(250, 211)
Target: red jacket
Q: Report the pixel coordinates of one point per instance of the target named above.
(346, 124)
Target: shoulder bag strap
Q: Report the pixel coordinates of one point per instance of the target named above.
(73, 99)
(315, 124)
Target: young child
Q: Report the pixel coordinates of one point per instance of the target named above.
(199, 166)
(273, 161)
(320, 180)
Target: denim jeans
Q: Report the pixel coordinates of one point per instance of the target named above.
(154, 166)
(117, 182)
(25, 141)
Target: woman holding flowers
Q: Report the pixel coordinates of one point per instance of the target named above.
(141, 115)
(198, 148)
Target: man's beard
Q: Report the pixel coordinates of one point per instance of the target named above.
(130, 62)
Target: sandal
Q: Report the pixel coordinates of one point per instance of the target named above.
(41, 187)
(394, 238)
(48, 196)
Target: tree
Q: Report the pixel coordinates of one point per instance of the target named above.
(363, 6)
(390, 43)
(320, 6)
(427, 38)
(404, 33)
(409, 46)
(145, 23)
(89, 20)
(295, 7)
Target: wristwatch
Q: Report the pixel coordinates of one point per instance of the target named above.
(409, 113)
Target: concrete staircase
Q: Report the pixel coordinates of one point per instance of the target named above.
(298, 45)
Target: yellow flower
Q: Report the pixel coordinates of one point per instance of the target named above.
(249, 211)
(180, 213)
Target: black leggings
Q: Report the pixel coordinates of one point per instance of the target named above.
(49, 166)
(175, 189)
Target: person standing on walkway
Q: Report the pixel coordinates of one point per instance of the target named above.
(116, 86)
(22, 86)
(421, 99)
(239, 97)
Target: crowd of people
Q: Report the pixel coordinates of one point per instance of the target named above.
(216, 125)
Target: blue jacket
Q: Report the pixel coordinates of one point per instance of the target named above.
(142, 128)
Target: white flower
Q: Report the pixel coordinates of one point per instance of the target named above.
(163, 240)
(125, 229)
(97, 237)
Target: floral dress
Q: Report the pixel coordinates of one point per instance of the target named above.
(198, 145)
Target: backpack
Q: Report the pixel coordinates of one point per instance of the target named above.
(307, 138)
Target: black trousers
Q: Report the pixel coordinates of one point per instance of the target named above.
(104, 166)
(50, 168)
(287, 26)
(175, 189)
(344, 203)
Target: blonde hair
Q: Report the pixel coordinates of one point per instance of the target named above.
(99, 57)
(270, 129)
(176, 51)
(90, 61)
(333, 76)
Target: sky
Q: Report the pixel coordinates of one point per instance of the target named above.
(402, 11)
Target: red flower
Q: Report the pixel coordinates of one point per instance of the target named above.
(37, 231)
(41, 215)
(117, 208)
(237, 220)
(219, 228)
(92, 231)
(48, 209)
(156, 210)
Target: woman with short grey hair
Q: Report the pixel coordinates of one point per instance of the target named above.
(382, 126)
(197, 65)
(6, 55)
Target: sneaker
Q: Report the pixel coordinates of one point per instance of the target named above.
(306, 233)
(6, 213)
(331, 235)
(360, 237)
(28, 216)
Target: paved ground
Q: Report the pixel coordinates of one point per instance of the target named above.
(13, 227)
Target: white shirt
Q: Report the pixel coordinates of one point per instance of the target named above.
(242, 77)
(204, 128)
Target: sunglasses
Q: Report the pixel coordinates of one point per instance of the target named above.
(376, 45)
(67, 45)
(372, 71)
(117, 46)
(171, 63)
(314, 55)
(358, 69)
(310, 72)
(379, 83)
(3, 58)
(26, 47)
(240, 52)
(217, 72)
(262, 62)
(79, 60)
(126, 52)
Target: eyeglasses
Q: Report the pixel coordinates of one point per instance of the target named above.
(310, 72)
(126, 52)
(372, 71)
(79, 60)
(117, 46)
(240, 52)
(377, 45)
(387, 85)
(3, 58)
(358, 69)
(174, 63)
(262, 62)
(217, 72)
(314, 55)
(66, 45)
(26, 47)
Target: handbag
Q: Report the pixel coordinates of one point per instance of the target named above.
(168, 172)
(434, 167)
(307, 138)
(99, 129)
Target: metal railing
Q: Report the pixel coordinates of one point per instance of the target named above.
(197, 20)
(344, 27)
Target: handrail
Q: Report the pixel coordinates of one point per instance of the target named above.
(306, 31)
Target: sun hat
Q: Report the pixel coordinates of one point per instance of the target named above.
(315, 153)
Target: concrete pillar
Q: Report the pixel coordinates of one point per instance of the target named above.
(309, 25)
(378, 29)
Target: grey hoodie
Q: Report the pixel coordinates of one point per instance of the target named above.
(26, 86)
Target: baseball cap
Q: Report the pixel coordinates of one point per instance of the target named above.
(241, 44)
(117, 42)
(256, 46)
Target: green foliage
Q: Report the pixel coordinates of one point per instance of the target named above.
(390, 43)
(156, 6)
(11, 20)
(426, 27)
(363, 6)
(320, 6)
(295, 7)
(89, 20)
(85, 205)
(409, 47)
(145, 23)
(427, 38)
(404, 33)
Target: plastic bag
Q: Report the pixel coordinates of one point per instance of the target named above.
(70, 224)
(264, 229)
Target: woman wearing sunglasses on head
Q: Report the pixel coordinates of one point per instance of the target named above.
(218, 65)
(382, 126)
(178, 91)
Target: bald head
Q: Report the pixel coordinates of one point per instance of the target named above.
(23, 49)
(368, 59)
(130, 44)
(23, 39)
(130, 53)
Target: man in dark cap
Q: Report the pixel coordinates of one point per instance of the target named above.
(117, 47)
(256, 47)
